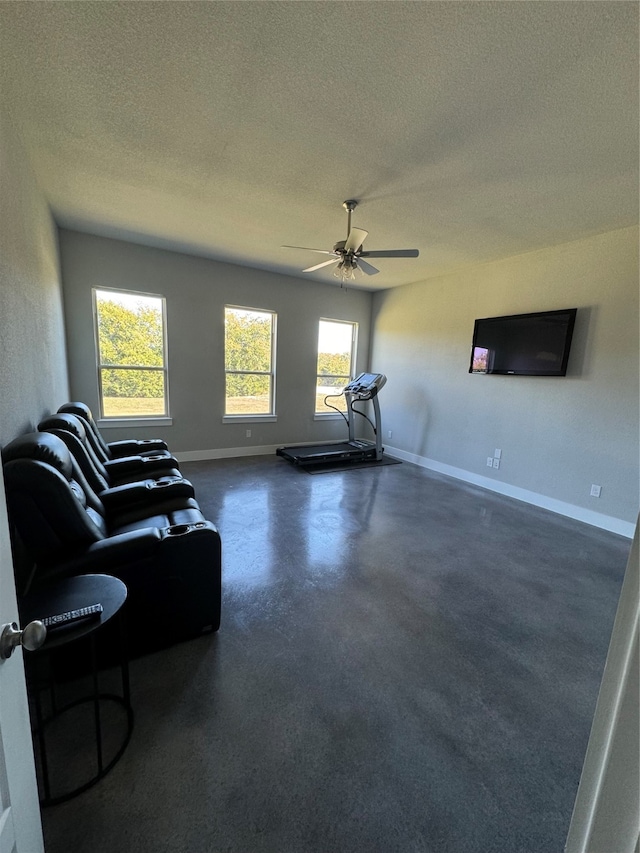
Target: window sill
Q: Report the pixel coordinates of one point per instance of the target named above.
(105, 423)
(329, 416)
(249, 419)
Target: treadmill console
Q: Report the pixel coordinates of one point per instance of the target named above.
(366, 385)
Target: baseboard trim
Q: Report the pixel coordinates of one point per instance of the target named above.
(595, 519)
(225, 453)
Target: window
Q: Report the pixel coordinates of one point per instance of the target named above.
(249, 348)
(336, 358)
(131, 348)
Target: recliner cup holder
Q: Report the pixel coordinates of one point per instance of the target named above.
(154, 458)
(161, 484)
(178, 529)
(182, 529)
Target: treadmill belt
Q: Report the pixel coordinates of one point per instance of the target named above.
(322, 450)
(350, 465)
(316, 454)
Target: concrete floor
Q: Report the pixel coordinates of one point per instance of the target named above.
(406, 663)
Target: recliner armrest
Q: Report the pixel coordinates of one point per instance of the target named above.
(142, 465)
(172, 574)
(146, 493)
(103, 557)
(135, 447)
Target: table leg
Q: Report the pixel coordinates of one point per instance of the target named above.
(96, 702)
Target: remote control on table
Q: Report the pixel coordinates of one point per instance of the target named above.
(71, 616)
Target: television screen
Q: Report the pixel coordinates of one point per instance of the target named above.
(523, 344)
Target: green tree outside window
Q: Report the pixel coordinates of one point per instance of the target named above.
(131, 354)
(248, 346)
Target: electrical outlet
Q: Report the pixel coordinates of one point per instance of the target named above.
(595, 490)
(390, 433)
(497, 453)
(248, 433)
(496, 463)
(489, 461)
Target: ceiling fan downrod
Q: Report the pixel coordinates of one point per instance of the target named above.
(349, 205)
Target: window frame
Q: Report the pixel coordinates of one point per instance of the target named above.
(263, 417)
(130, 420)
(352, 364)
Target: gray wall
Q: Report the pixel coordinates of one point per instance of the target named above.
(33, 371)
(196, 290)
(558, 435)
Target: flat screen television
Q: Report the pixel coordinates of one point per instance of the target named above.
(523, 344)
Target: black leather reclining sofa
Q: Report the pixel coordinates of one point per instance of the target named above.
(149, 532)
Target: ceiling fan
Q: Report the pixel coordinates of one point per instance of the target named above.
(348, 255)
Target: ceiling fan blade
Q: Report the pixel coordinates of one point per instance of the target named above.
(307, 249)
(391, 253)
(365, 267)
(323, 264)
(355, 239)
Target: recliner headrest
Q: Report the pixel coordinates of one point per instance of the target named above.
(66, 422)
(82, 411)
(77, 409)
(42, 447)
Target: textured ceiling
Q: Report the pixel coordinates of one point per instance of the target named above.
(468, 130)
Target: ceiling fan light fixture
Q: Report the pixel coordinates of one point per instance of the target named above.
(346, 269)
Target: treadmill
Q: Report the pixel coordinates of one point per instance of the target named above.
(363, 387)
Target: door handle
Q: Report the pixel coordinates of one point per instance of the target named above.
(30, 638)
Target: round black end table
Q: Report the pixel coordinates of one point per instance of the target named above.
(60, 597)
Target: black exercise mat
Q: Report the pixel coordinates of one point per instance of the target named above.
(332, 467)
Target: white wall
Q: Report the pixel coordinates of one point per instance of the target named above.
(33, 371)
(558, 435)
(196, 290)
